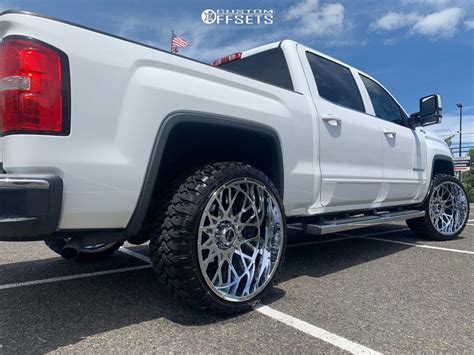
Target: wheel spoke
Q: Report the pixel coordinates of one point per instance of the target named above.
(239, 239)
(448, 208)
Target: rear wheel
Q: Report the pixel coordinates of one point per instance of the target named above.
(222, 239)
(447, 210)
(91, 252)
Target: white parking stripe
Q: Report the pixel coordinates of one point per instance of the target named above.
(293, 322)
(296, 323)
(314, 331)
(286, 319)
(344, 237)
(135, 254)
(73, 277)
(418, 245)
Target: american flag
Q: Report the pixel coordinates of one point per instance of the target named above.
(177, 42)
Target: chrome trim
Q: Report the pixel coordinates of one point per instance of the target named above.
(19, 183)
(360, 222)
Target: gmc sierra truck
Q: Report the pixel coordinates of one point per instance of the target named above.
(105, 140)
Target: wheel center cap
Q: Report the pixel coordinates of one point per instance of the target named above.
(438, 207)
(225, 235)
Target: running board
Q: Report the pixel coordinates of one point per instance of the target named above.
(360, 222)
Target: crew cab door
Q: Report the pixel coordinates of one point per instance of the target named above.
(350, 142)
(404, 149)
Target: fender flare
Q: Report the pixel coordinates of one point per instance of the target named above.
(169, 123)
(441, 157)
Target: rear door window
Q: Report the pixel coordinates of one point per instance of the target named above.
(269, 66)
(335, 82)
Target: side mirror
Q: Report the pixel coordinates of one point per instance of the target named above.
(430, 112)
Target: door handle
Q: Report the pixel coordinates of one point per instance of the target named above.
(389, 133)
(331, 119)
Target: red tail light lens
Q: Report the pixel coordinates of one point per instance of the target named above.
(34, 88)
(229, 58)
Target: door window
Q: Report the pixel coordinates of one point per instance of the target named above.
(384, 105)
(335, 82)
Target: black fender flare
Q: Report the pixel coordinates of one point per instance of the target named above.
(444, 158)
(171, 121)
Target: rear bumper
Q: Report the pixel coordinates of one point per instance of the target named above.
(30, 206)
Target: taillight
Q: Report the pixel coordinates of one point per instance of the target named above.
(34, 88)
(227, 59)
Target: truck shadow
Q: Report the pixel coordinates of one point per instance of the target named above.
(43, 318)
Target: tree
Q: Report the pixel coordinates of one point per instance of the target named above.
(468, 179)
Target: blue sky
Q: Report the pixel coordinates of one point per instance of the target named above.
(414, 47)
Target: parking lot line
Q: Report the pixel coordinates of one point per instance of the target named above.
(284, 318)
(370, 236)
(135, 254)
(73, 277)
(344, 237)
(314, 331)
(293, 322)
(417, 245)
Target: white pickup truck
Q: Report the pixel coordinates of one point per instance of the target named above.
(105, 140)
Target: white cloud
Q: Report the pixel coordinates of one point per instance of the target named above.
(206, 43)
(421, 5)
(306, 18)
(450, 124)
(395, 20)
(440, 24)
(317, 20)
(469, 24)
(430, 2)
(301, 9)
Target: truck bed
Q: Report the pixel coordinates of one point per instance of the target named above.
(121, 94)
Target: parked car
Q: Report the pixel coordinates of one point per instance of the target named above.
(106, 140)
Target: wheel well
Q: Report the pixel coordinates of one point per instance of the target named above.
(190, 139)
(442, 166)
(191, 144)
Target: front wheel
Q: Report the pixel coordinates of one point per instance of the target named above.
(447, 210)
(222, 239)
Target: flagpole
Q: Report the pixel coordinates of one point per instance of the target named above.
(171, 42)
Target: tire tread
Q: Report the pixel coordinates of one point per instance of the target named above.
(170, 246)
(422, 226)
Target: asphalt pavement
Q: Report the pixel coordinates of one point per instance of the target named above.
(376, 289)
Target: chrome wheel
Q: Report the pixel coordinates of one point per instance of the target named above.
(240, 239)
(448, 208)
